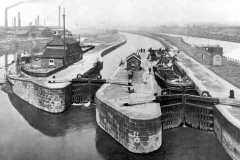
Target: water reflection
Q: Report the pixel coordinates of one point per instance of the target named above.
(179, 143)
(54, 125)
(74, 134)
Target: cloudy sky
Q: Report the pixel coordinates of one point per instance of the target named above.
(125, 12)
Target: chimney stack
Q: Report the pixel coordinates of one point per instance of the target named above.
(38, 20)
(59, 16)
(6, 17)
(35, 22)
(14, 23)
(19, 19)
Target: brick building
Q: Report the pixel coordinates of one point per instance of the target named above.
(133, 62)
(55, 56)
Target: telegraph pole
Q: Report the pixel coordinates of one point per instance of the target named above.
(65, 58)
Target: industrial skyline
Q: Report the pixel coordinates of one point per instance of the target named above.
(124, 12)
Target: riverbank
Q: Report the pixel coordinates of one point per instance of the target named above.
(230, 34)
(75, 135)
(230, 70)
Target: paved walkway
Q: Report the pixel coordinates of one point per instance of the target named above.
(116, 92)
(205, 79)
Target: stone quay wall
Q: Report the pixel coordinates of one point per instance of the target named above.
(53, 100)
(48, 99)
(136, 135)
(227, 134)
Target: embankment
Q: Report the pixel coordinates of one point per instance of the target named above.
(51, 99)
(54, 100)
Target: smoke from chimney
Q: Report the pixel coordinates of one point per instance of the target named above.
(16, 4)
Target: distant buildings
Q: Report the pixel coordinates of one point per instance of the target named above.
(31, 32)
(216, 54)
(22, 34)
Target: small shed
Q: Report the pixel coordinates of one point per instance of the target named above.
(25, 57)
(133, 62)
(215, 59)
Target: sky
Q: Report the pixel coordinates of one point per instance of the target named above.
(112, 13)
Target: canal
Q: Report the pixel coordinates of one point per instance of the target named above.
(230, 49)
(27, 133)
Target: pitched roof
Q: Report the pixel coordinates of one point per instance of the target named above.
(57, 41)
(133, 55)
(53, 53)
(22, 32)
(70, 40)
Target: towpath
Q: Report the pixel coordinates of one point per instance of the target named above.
(206, 80)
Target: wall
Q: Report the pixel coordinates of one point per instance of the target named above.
(51, 100)
(138, 136)
(57, 63)
(110, 49)
(46, 74)
(227, 134)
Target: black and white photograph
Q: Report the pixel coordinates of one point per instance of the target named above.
(120, 80)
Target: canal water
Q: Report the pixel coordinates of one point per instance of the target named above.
(230, 49)
(27, 133)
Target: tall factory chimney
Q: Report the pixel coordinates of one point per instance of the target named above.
(19, 19)
(6, 17)
(59, 16)
(14, 23)
(35, 22)
(38, 20)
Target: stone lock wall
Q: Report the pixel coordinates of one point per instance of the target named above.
(138, 136)
(227, 134)
(50, 100)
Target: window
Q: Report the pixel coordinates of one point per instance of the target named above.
(51, 62)
(218, 58)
